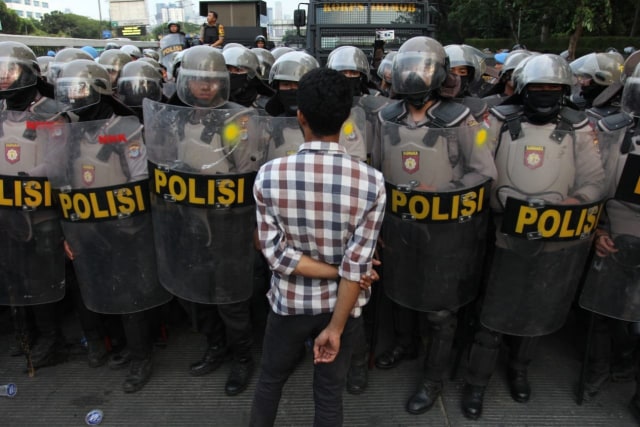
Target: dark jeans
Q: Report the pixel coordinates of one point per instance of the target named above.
(284, 335)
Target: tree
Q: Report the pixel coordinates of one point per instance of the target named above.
(589, 15)
(61, 24)
(13, 24)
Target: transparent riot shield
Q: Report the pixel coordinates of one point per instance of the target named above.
(101, 178)
(434, 230)
(170, 45)
(372, 106)
(203, 163)
(32, 261)
(612, 285)
(282, 136)
(548, 201)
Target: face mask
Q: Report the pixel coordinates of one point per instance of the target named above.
(591, 91)
(289, 100)
(244, 93)
(356, 86)
(238, 82)
(542, 106)
(464, 84)
(418, 100)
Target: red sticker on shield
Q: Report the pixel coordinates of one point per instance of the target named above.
(533, 156)
(12, 153)
(411, 161)
(88, 174)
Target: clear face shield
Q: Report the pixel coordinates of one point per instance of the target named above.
(414, 72)
(74, 94)
(132, 90)
(14, 75)
(203, 89)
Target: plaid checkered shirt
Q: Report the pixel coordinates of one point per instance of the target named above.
(322, 203)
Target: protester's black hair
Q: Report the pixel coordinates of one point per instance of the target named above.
(324, 98)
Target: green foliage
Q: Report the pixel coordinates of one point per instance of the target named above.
(61, 24)
(557, 44)
(13, 24)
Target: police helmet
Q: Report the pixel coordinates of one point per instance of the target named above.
(43, 63)
(150, 53)
(459, 56)
(231, 45)
(51, 53)
(243, 58)
(91, 51)
(630, 101)
(131, 50)
(260, 38)
(601, 68)
(384, 69)
(265, 62)
(203, 80)
(67, 54)
(349, 58)
(113, 61)
(80, 84)
(18, 66)
(111, 45)
(139, 80)
(512, 60)
(176, 61)
(291, 67)
(629, 50)
(172, 22)
(279, 51)
(420, 66)
(544, 68)
(155, 64)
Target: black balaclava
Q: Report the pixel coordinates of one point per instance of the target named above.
(289, 101)
(418, 98)
(19, 99)
(542, 106)
(242, 89)
(591, 92)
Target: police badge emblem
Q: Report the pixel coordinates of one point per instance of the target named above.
(533, 156)
(12, 153)
(88, 174)
(134, 150)
(411, 161)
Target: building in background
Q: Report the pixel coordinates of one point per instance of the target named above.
(29, 8)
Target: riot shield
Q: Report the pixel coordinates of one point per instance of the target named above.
(372, 106)
(170, 45)
(549, 199)
(32, 261)
(436, 218)
(282, 136)
(202, 164)
(612, 285)
(103, 198)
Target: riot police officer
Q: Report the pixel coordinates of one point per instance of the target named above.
(595, 72)
(113, 61)
(546, 157)
(243, 66)
(430, 152)
(265, 62)
(139, 80)
(104, 154)
(206, 247)
(611, 287)
(32, 266)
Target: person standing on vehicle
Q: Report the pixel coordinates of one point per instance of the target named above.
(212, 33)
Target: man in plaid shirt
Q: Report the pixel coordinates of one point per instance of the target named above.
(319, 213)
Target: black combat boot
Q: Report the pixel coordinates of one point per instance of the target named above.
(139, 374)
(96, 353)
(212, 359)
(393, 356)
(120, 360)
(425, 397)
(472, 399)
(49, 350)
(358, 376)
(519, 385)
(239, 376)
